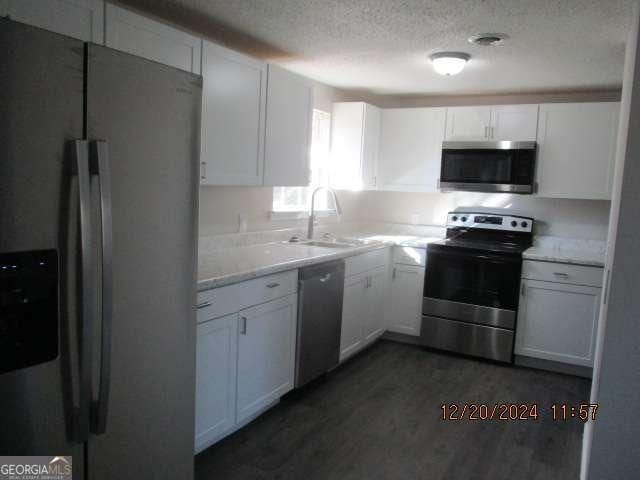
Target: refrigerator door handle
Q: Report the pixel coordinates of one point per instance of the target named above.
(100, 167)
(81, 171)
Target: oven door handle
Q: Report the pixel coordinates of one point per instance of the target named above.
(459, 253)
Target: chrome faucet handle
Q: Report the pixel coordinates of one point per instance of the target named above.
(327, 235)
(294, 239)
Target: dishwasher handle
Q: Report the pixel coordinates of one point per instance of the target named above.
(325, 278)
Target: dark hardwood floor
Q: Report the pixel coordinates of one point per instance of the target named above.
(379, 417)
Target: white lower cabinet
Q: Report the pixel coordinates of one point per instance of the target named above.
(216, 366)
(351, 338)
(374, 295)
(407, 283)
(245, 360)
(266, 354)
(365, 289)
(558, 321)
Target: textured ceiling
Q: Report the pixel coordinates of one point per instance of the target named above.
(382, 46)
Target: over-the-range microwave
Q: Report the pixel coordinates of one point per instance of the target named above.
(488, 166)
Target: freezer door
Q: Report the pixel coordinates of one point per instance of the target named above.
(149, 116)
(41, 97)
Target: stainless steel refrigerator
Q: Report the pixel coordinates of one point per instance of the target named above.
(98, 208)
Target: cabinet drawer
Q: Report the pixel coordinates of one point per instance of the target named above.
(410, 256)
(562, 273)
(365, 261)
(233, 298)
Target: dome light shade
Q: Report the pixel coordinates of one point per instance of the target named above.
(449, 63)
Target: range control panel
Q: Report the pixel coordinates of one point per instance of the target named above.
(490, 221)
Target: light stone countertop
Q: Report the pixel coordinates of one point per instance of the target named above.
(237, 264)
(224, 266)
(574, 257)
(575, 251)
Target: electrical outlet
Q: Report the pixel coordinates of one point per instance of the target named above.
(243, 222)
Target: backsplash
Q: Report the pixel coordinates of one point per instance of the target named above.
(221, 207)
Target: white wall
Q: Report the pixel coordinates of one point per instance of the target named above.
(611, 446)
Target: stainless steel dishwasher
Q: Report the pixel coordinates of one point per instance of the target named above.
(319, 319)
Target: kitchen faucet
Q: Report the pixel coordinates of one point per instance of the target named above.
(312, 214)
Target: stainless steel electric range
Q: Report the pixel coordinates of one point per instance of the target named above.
(472, 284)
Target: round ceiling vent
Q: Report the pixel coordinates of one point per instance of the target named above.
(488, 39)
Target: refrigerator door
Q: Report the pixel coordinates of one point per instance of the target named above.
(41, 96)
(149, 116)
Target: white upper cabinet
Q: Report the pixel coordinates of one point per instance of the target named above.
(486, 123)
(233, 117)
(576, 149)
(468, 123)
(514, 122)
(138, 35)
(81, 19)
(355, 138)
(411, 149)
(288, 129)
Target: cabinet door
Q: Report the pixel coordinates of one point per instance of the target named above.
(558, 322)
(347, 124)
(468, 123)
(407, 284)
(514, 122)
(353, 309)
(266, 354)
(576, 155)
(288, 129)
(81, 19)
(216, 369)
(141, 36)
(233, 117)
(370, 147)
(374, 300)
(411, 149)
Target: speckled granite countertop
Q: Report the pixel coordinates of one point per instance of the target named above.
(232, 265)
(567, 250)
(224, 266)
(575, 257)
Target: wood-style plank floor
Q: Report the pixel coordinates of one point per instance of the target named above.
(378, 417)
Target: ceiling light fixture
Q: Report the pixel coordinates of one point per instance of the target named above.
(449, 63)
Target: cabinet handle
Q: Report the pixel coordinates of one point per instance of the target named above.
(273, 285)
(394, 273)
(561, 274)
(486, 132)
(203, 170)
(523, 290)
(203, 305)
(491, 131)
(243, 325)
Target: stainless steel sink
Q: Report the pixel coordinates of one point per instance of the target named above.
(327, 244)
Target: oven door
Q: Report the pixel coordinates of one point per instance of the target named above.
(488, 167)
(472, 286)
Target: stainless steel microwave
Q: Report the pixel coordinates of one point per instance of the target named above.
(488, 166)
